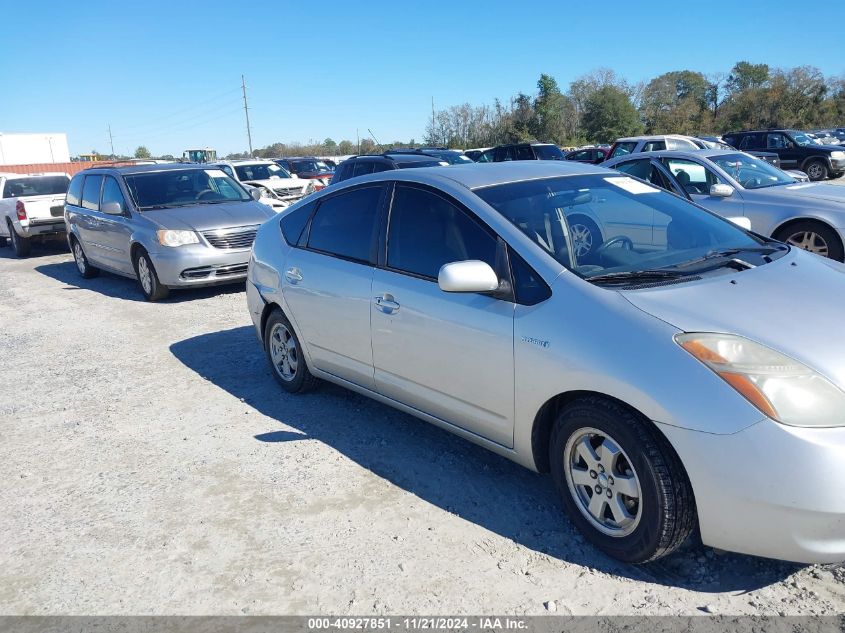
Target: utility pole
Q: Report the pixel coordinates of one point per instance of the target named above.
(358, 140)
(111, 142)
(246, 112)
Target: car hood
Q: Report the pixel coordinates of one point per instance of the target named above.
(793, 305)
(811, 190)
(206, 217)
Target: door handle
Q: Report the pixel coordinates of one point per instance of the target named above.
(386, 304)
(293, 275)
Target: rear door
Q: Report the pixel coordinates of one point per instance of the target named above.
(447, 354)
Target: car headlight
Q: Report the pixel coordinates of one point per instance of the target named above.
(781, 387)
(837, 155)
(177, 238)
(311, 188)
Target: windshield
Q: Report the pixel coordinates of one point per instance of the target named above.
(35, 186)
(264, 171)
(453, 158)
(308, 165)
(751, 172)
(595, 225)
(434, 162)
(183, 187)
(802, 139)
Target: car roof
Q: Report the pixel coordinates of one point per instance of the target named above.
(143, 169)
(652, 137)
(677, 153)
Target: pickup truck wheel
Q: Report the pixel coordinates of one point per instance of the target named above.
(22, 245)
(816, 170)
(147, 277)
(82, 265)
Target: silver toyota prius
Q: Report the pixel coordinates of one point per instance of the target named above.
(168, 226)
(667, 379)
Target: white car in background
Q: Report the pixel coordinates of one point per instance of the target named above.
(279, 188)
(32, 206)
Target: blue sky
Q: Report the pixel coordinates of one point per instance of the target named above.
(166, 74)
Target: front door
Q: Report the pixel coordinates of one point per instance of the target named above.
(696, 179)
(447, 354)
(115, 229)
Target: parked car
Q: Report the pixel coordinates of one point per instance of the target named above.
(168, 226)
(795, 149)
(374, 163)
(591, 155)
(732, 183)
(651, 143)
(309, 168)
(521, 151)
(826, 137)
(451, 156)
(278, 188)
(644, 377)
(31, 208)
(473, 154)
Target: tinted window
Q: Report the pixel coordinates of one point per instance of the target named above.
(523, 152)
(112, 193)
(420, 163)
(502, 154)
(529, 288)
(654, 146)
(485, 157)
(548, 152)
(74, 192)
(363, 167)
(751, 141)
(343, 171)
(345, 224)
(293, 222)
(91, 192)
(427, 231)
(380, 166)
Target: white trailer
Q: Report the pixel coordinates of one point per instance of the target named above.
(25, 149)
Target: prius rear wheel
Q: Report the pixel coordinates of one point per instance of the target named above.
(284, 353)
(620, 481)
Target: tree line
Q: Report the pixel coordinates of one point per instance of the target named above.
(601, 106)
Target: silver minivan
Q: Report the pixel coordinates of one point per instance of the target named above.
(667, 379)
(168, 226)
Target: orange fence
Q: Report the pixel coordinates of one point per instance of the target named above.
(68, 168)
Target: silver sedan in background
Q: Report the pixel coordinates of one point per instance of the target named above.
(810, 215)
(640, 373)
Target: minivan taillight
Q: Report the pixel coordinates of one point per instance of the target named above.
(21, 210)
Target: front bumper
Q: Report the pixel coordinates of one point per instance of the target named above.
(199, 265)
(769, 490)
(837, 165)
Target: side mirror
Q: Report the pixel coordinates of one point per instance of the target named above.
(741, 221)
(112, 208)
(721, 191)
(467, 276)
(255, 193)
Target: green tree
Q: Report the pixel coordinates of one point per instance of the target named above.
(345, 147)
(745, 76)
(142, 152)
(609, 114)
(675, 102)
(552, 110)
(330, 145)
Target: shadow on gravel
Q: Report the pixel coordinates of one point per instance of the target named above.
(449, 472)
(118, 287)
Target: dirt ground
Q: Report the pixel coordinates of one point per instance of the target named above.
(151, 465)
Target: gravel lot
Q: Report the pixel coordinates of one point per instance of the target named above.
(151, 465)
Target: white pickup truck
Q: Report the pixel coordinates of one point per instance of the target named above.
(32, 206)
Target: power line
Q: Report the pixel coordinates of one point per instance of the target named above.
(180, 111)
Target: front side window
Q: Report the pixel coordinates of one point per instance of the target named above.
(485, 157)
(112, 193)
(91, 192)
(802, 139)
(346, 224)
(636, 227)
(427, 231)
(777, 141)
(695, 178)
(752, 172)
(623, 148)
(183, 187)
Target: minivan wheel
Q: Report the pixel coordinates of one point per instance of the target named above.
(620, 481)
(82, 265)
(22, 245)
(816, 170)
(150, 285)
(285, 355)
(814, 237)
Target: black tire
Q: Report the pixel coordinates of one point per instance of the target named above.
(83, 266)
(816, 169)
(666, 515)
(148, 278)
(279, 332)
(801, 235)
(22, 245)
(575, 223)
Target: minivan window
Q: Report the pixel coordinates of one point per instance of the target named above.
(112, 193)
(427, 231)
(74, 191)
(91, 192)
(345, 224)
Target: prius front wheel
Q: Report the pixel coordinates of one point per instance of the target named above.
(620, 481)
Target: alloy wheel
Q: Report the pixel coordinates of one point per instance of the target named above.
(79, 257)
(283, 351)
(809, 241)
(145, 275)
(815, 171)
(603, 482)
(582, 239)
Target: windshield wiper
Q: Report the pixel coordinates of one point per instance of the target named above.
(637, 275)
(729, 252)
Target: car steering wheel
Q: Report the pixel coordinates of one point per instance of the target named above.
(624, 240)
(204, 194)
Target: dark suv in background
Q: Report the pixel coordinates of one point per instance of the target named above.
(374, 163)
(795, 149)
(451, 156)
(521, 151)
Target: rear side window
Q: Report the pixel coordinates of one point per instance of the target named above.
(74, 191)
(363, 167)
(621, 149)
(91, 192)
(523, 152)
(293, 222)
(654, 146)
(548, 152)
(343, 171)
(345, 224)
(751, 141)
(427, 231)
(380, 166)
